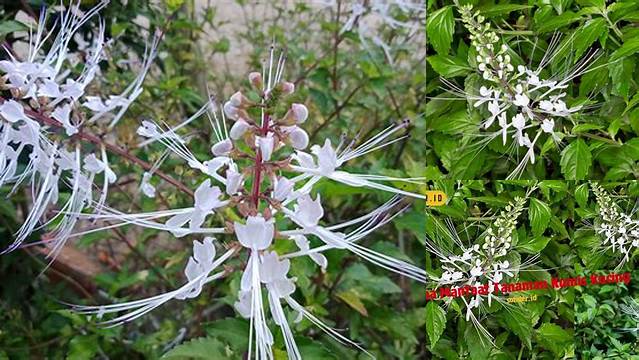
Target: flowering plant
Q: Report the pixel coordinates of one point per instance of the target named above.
(618, 230)
(46, 118)
(519, 86)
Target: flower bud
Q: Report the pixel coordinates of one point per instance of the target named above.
(222, 148)
(298, 138)
(297, 114)
(288, 88)
(238, 100)
(238, 129)
(230, 110)
(256, 79)
(300, 112)
(266, 145)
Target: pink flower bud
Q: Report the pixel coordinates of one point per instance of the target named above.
(238, 129)
(300, 112)
(230, 110)
(288, 88)
(222, 148)
(236, 99)
(256, 79)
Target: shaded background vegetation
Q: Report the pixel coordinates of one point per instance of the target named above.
(349, 88)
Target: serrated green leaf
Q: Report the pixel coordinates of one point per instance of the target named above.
(628, 48)
(440, 26)
(576, 160)
(539, 216)
(448, 66)
(554, 338)
(435, 322)
(581, 194)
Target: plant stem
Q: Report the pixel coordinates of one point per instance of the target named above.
(257, 169)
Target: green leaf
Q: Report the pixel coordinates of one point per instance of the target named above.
(448, 66)
(576, 160)
(501, 9)
(478, 345)
(200, 348)
(435, 322)
(458, 122)
(554, 338)
(440, 26)
(353, 299)
(586, 35)
(581, 195)
(557, 22)
(82, 347)
(621, 73)
(628, 48)
(539, 216)
(532, 245)
(518, 322)
(230, 330)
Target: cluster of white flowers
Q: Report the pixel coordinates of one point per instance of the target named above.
(619, 230)
(522, 104)
(265, 145)
(43, 120)
(367, 17)
(487, 262)
(632, 309)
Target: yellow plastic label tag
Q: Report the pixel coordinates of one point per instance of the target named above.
(436, 198)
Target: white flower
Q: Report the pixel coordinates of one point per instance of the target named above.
(49, 88)
(519, 121)
(273, 273)
(233, 180)
(303, 244)
(243, 304)
(230, 110)
(548, 126)
(327, 160)
(256, 234)
(148, 129)
(207, 199)
(309, 211)
(546, 105)
(201, 263)
(12, 111)
(93, 165)
(521, 100)
(62, 114)
(146, 187)
(282, 188)
(266, 145)
(236, 99)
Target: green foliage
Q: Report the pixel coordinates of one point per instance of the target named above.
(600, 323)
